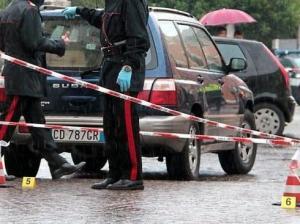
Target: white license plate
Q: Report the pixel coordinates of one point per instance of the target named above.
(64, 135)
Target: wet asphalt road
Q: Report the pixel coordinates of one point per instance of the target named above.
(214, 198)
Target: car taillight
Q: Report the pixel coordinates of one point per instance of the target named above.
(144, 95)
(164, 92)
(283, 71)
(2, 90)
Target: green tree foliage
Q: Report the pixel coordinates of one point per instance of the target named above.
(275, 19)
(4, 3)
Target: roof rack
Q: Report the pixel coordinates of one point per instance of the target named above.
(154, 9)
(162, 9)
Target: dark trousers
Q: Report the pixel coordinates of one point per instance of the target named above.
(122, 140)
(30, 108)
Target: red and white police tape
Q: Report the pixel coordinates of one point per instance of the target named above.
(273, 142)
(143, 102)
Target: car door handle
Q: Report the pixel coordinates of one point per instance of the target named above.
(200, 79)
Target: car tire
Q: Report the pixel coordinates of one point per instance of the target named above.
(21, 161)
(185, 165)
(269, 118)
(242, 158)
(92, 155)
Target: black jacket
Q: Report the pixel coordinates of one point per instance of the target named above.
(21, 37)
(123, 20)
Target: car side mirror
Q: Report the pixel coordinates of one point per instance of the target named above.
(237, 64)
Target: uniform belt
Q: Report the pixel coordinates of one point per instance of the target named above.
(115, 49)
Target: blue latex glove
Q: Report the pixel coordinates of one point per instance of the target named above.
(69, 12)
(124, 79)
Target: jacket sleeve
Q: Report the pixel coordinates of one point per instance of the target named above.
(136, 18)
(93, 16)
(32, 35)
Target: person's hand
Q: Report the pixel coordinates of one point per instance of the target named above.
(66, 38)
(69, 12)
(124, 78)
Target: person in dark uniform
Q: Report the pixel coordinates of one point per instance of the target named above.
(125, 41)
(21, 37)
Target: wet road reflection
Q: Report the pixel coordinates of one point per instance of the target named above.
(214, 198)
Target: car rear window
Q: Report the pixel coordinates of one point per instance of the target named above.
(261, 58)
(83, 52)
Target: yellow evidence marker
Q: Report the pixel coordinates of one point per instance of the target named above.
(29, 183)
(288, 202)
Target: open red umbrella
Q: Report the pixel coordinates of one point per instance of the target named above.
(226, 16)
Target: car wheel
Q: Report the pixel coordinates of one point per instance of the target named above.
(269, 118)
(242, 158)
(21, 161)
(92, 155)
(185, 165)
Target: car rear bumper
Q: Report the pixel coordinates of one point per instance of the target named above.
(170, 124)
(173, 124)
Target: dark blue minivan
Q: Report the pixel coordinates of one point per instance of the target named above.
(185, 72)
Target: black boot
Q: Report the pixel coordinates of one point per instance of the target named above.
(103, 184)
(58, 165)
(125, 184)
(66, 169)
